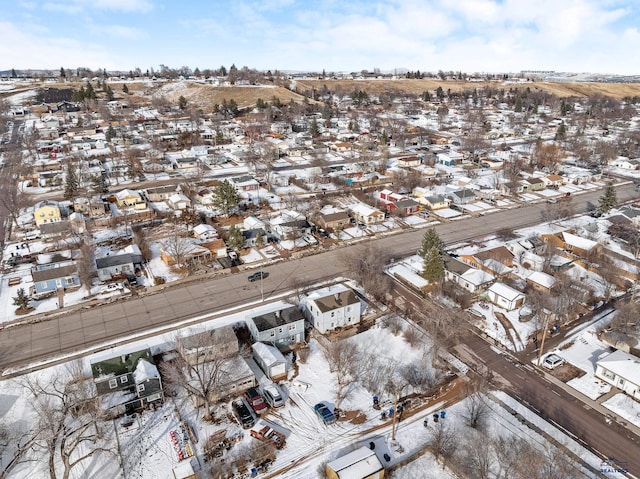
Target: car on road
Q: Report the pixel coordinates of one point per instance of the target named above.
(325, 414)
(552, 361)
(273, 396)
(255, 400)
(258, 275)
(243, 414)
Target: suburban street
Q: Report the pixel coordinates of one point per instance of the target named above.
(83, 329)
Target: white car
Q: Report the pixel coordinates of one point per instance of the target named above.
(552, 361)
(309, 238)
(273, 396)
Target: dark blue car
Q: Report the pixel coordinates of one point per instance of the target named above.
(325, 414)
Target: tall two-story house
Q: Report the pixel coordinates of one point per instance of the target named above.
(281, 325)
(332, 307)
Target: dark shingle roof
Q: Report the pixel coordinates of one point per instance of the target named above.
(119, 259)
(54, 273)
(267, 321)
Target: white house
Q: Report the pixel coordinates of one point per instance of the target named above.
(332, 307)
(366, 214)
(621, 370)
(205, 232)
(179, 201)
(505, 296)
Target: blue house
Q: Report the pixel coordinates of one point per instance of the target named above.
(47, 278)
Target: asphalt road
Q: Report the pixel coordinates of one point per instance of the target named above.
(79, 331)
(550, 401)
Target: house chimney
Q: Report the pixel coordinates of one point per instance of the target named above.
(337, 297)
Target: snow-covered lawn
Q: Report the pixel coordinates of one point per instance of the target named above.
(624, 406)
(252, 256)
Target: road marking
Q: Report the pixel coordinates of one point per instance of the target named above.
(555, 392)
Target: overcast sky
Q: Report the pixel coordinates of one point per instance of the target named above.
(336, 35)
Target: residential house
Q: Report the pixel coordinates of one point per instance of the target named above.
(217, 247)
(366, 214)
(495, 261)
(621, 370)
(333, 307)
(245, 183)
(209, 345)
(128, 382)
(334, 221)
(533, 184)
(280, 324)
(623, 163)
(289, 225)
(77, 223)
(467, 277)
(130, 198)
(395, 202)
(434, 202)
(47, 211)
(270, 360)
(48, 278)
(178, 201)
(112, 266)
(445, 160)
(505, 296)
(160, 193)
(570, 242)
(409, 161)
(92, 207)
(554, 181)
(363, 463)
(205, 232)
(219, 345)
(541, 281)
(463, 196)
(186, 252)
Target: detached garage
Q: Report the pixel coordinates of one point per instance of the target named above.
(270, 360)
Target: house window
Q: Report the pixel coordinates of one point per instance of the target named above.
(348, 308)
(113, 383)
(279, 330)
(292, 327)
(272, 334)
(140, 388)
(292, 339)
(124, 379)
(333, 314)
(69, 281)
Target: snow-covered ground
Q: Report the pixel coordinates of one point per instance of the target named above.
(624, 406)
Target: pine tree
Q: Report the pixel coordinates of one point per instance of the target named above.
(431, 253)
(110, 134)
(125, 89)
(22, 299)
(182, 102)
(225, 197)
(72, 184)
(561, 133)
(314, 130)
(518, 106)
(109, 92)
(426, 96)
(89, 92)
(63, 74)
(608, 200)
(259, 238)
(234, 238)
(13, 73)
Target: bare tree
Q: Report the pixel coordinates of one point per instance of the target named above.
(16, 443)
(443, 441)
(342, 357)
(477, 455)
(365, 264)
(177, 246)
(476, 413)
(71, 422)
(199, 369)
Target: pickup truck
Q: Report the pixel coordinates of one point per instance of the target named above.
(268, 434)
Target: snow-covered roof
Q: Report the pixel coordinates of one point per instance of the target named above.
(476, 276)
(403, 272)
(622, 364)
(542, 279)
(365, 210)
(144, 371)
(504, 291)
(202, 228)
(360, 463)
(269, 354)
(578, 241)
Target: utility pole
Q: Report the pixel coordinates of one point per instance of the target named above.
(544, 335)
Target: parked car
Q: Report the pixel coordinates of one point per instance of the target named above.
(552, 361)
(243, 414)
(132, 279)
(325, 414)
(552, 200)
(309, 238)
(273, 396)
(255, 400)
(323, 233)
(258, 275)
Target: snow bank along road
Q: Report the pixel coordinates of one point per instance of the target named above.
(76, 331)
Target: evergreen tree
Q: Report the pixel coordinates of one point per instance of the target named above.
(110, 134)
(182, 102)
(109, 92)
(225, 197)
(22, 299)
(259, 238)
(426, 96)
(234, 238)
(440, 93)
(89, 92)
(125, 89)
(563, 108)
(561, 132)
(608, 200)
(13, 73)
(518, 106)
(261, 104)
(99, 184)
(63, 74)
(314, 130)
(71, 183)
(431, 253)
(384, 138)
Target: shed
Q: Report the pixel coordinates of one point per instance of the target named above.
(270, 360)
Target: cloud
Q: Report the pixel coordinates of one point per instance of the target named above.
(74, 7)
(120, 31)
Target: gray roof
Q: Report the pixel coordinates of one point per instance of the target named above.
(455, 266)
(54, 273)
(337, 300)
(119, 259)
(267, 321)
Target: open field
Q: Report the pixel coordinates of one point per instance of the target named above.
(562, 89)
